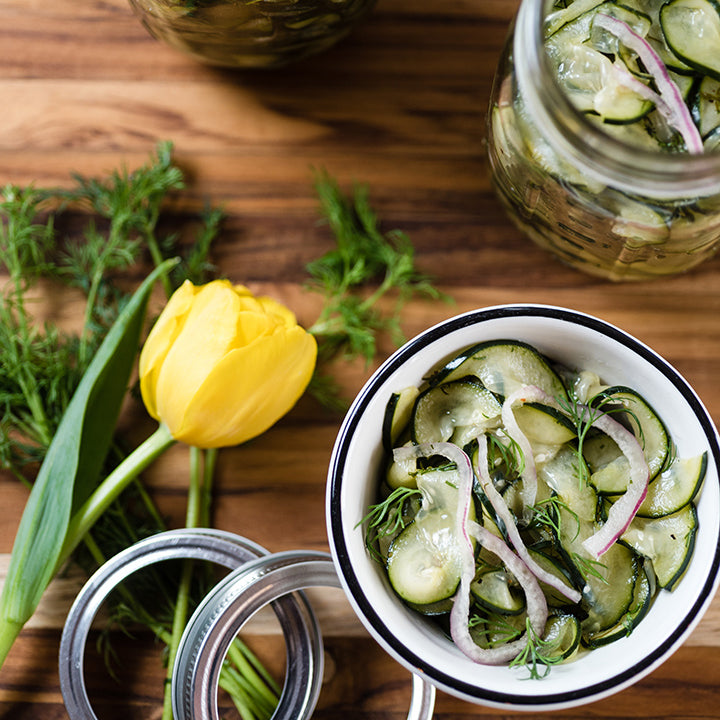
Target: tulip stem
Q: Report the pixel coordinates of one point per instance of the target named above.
(193, 514)
(110, 488)
(211, 455)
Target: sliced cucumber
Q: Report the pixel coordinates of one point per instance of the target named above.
(562, 475)
(642, 598)
(492, 629)
(705, 105)
(559, 18)
(656, 37)
(503, 366)
(512, 494)
(671, 61)
(398, 412)
(562, 635)
(439, 489)
(464, 406)
(640, 224)
(554, 597)
(498, 592)
(692, 31)
(574, 31)
(582, 55)
(667, 541)
(639, 22)
(544, 425)
(591, 81)
(490, 521)
(403, 513)
(686, 84)
(608, 584)
(674, 488)
(645, 423)
(423, 561)
(402, 473)
(712, 141)
(608, 466)
(609, 587)
(626, 405)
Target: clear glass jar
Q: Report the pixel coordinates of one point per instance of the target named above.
(250, 33)
(614, 210)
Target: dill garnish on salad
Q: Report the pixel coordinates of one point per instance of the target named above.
(532, 510)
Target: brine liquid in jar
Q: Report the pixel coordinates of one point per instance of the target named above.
(603, 131)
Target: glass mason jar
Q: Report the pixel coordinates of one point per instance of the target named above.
(602, 205)
(250, 33)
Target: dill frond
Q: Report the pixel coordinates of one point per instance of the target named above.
(365, 266)
(387, 518)
(589, 567)
(547, 513)
(536, 656)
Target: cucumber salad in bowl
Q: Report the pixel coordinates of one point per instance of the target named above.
(531, 510)
(522, 491)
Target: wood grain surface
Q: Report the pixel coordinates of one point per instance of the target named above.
(399, 105)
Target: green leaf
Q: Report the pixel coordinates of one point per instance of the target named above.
(72, 465)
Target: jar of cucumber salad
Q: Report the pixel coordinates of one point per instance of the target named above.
(604, 132)
(250, 33)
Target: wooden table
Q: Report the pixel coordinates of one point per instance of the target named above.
(399, 105)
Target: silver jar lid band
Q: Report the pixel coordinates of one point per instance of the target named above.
(295, 616)
(223, 612)
(257, 579)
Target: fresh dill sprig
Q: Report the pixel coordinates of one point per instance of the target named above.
(537, 655)
(195, 265)
(445, 466)
(589, 567)
(501, 629)
(85, 237)
(547, 513)
(130, 204)
(583, 415)
(387, 518)
(38, 374)
(365, 266)
(81, 236)
(505, 453)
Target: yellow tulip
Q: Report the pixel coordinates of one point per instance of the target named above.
(221, 366)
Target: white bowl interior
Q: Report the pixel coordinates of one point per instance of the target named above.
(578, 341)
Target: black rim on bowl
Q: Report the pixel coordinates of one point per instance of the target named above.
(342, 556)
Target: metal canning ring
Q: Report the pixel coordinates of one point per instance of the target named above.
(225, 610)
(295, 616)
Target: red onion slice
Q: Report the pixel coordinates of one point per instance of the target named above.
(628, 80)
(529, 393)
(465, 530)
(503, 512)
(536, 604)
(623, 510)
(673, 107)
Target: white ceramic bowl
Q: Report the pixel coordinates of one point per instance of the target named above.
(580, 341)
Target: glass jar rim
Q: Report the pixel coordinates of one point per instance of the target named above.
(603, 157)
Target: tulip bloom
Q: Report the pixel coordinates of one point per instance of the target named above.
(221, 366)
